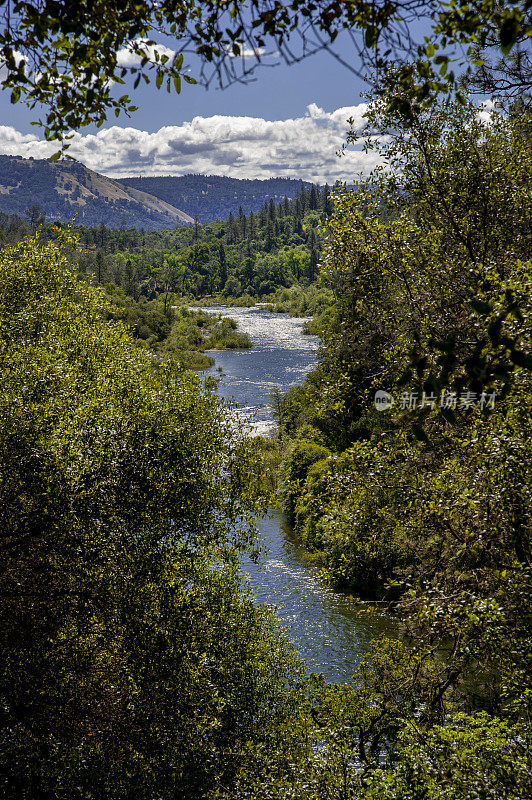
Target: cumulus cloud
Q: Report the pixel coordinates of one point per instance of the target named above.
(129, 57)
(239, 147)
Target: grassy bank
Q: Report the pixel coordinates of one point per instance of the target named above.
(177, 331)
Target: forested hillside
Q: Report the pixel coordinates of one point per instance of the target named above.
(246, 256)
(67, 189)
(210, 197)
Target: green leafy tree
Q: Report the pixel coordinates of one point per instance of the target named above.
(132, 659)
(428, 504)
(67, 55)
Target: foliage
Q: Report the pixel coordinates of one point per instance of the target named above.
(212, 197)
(69, 56)
(176, 331)
(132, 658)
(471, 756)
(255, 254)
(240, 260)
(224, 334)
(427, 504)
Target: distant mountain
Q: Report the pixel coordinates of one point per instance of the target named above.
(211, 197)
(65, 188)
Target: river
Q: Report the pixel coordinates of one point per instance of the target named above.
(332, 630)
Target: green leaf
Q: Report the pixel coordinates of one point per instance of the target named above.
(419, 433)
(481, 307)
(508, 34)
(372, 35)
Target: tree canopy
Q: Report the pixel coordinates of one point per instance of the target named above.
(69, 55)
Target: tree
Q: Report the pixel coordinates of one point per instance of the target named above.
(313, 197)
(427, 504)
(36, 216)
(313, 265)
(68, 55)
(132, 660)
(222, 264)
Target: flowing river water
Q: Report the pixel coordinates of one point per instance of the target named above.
(332, 630)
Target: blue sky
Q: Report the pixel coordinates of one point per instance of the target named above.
(211, 131)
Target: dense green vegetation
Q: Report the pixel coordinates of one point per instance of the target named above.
(174, 331)
(427, 503)
(272, 256)
(133, 661)
(251, 254)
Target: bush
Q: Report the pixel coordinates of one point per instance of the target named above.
(132, 664)
(301, 457)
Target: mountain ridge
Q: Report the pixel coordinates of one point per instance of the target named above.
(215, 197)
(65, 189)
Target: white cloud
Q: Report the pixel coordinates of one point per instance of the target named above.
(4, 72)
(485, 113)
(240, 147)
(128, 57)
(13, 143)
(248, 52)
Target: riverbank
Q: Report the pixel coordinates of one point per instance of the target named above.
(296, 300)
(176, 331)
(331, 629)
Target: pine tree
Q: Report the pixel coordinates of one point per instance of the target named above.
(242, 223)
(99, 267)
(223, 264)
(231, 229)
(313, 265)
(325, 200)
(303, 199)
(252, 226)
(313, 198)
(270, 238)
